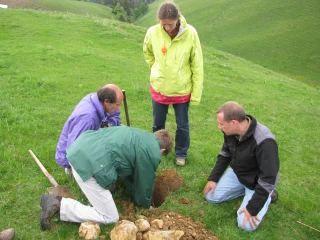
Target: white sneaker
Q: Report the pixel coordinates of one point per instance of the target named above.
(180, 161)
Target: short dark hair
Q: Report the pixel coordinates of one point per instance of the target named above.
(166, 140)
(168, 11)
(232, 111)
(106, 93)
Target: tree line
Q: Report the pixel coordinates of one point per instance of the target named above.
(125, 10)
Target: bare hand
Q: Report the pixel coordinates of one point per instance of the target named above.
(211, 186)
(253, 220)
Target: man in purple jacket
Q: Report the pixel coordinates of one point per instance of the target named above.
(95, 110)
(251, 151)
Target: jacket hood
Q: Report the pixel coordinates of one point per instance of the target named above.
(183, 26)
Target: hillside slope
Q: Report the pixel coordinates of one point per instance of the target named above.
(50, 60)
(282, 35)
(69, 6)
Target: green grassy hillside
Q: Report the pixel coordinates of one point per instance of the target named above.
(69, 6)
(50, 60)
(281, 35)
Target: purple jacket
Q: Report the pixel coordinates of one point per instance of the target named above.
(87, 115)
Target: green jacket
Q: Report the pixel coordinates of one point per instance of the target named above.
(130, 153)
(179, 71)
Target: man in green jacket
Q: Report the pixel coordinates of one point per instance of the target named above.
(97, 159)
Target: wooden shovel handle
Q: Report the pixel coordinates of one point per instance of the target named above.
(126, 107)
(45, 172)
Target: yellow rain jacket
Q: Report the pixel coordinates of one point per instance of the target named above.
(178, 71)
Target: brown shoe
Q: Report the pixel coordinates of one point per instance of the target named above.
(50, 206)
(7, 234)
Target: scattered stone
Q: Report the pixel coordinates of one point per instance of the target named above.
(139, 236)
(163, 235)
(167, 225)
(89, 230)
(157, 223)
(142, 225)
(124, 230)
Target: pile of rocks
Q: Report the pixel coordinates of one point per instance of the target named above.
(141, 229)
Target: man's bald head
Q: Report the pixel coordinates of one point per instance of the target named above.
(111, 93)
(110, 97)
(115, 88)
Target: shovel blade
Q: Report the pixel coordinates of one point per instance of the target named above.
(62, 191)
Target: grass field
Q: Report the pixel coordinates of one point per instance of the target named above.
(50, 60)
(67, 6)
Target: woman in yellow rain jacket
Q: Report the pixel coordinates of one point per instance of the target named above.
(173, 52)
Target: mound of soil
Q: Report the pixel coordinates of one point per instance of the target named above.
(169, 181)
(172, 221)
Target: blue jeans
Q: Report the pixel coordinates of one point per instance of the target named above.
(229, 188)
(182, 139)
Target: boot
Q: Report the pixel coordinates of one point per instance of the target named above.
(50, 206)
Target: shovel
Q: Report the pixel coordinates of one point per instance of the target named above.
(56, 189)
(126, 107)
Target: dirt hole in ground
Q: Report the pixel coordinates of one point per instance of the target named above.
(166, 181)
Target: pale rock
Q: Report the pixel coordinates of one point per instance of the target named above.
(139, 236)
(157, 223)
(124, 230)
(142, 225)
(163, 235)
(167, 225)
(89, 230)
